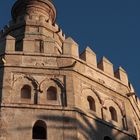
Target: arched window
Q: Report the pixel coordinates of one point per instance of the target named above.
(91, 103)
(26, 92)
(107, 138)
(39, 130)
(113, 114)
(52, 93)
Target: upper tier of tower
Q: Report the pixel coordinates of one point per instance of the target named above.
(33, 32)
(34, 21)
(39, 8)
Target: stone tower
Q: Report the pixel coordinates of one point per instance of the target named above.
(50, 92)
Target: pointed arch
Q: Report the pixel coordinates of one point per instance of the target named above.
(90, 101)
(62, 86)
(35, 85)
(33, 80)
(41, 84)
(113, 114)
(120, 108)
(94, 91)
(59, 86)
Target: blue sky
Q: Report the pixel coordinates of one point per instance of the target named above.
(110, 27)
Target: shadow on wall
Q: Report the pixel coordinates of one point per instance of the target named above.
(71, 125)
(2, 61)
(83, 128)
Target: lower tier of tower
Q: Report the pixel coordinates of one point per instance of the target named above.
(22, 122)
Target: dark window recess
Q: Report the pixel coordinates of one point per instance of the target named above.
(39, 130)
(91, 103)
(52, 93)
(39, 46)
(113, 114)
(107, 138)
(19, 45)
(26, 92)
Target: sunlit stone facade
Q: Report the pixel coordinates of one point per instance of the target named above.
(48, 91)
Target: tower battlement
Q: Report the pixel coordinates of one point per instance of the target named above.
(32, 21)
(89, 56)
(71, 49)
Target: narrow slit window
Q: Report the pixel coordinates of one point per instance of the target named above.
(91, 103)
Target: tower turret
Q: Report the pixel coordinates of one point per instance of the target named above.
(38, 8)
(34, 22)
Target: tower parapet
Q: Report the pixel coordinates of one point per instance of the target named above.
(106, 66)
(89, 56)
(122, 75)
(70, 47)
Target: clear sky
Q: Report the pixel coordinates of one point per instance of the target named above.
(110, 27)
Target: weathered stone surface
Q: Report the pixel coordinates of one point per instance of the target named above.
(43, 80)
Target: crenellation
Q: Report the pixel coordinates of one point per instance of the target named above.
(89, 56)
(132, 90)
(70, 47)
(51, 46)
(138, 102)
(10, 43)
(35, 21)
(28, 45)
(7, 44)
(105, 65)
(60, 36)
(60, 33)
(56, 26)
(121, 74)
